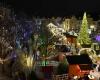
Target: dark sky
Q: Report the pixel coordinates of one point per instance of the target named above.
(55, 7)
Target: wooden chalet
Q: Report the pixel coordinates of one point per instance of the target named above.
(71, 38)
(79, 65)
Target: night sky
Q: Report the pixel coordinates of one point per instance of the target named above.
(55, 7)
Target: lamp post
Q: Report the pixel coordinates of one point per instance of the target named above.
(92, 28)
(2, 48)
(35, 37)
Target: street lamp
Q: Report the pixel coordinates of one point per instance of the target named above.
(35, 37)
(91, 29)
(92, 26)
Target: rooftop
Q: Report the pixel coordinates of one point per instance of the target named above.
(79, 59)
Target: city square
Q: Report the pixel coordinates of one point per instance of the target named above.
(48, 48)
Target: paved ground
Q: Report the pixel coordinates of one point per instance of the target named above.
(3, 77)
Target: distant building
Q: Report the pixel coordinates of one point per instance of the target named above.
(98, 26)
(74, 24)
(66, 24)
(5, 13)
(90, 20)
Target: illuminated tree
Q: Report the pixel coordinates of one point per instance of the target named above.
(45, 37)
(83, 37)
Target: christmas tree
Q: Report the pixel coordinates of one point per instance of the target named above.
(83, 37)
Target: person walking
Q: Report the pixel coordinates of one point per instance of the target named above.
(37, 55)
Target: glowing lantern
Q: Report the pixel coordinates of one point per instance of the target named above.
(29, 61)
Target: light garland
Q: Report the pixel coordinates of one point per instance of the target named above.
(56, 31)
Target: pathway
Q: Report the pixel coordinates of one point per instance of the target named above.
(2, 77)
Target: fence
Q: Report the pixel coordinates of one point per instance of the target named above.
(60, 77)
(53, 63)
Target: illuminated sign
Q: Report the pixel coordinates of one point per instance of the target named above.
(97, 38)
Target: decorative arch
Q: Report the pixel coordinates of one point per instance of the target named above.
(88, 49)
(90, 52)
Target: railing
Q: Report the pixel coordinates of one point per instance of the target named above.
(60, 77)
(53, 63)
